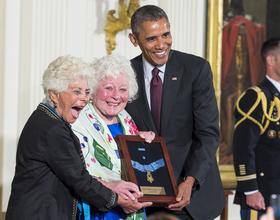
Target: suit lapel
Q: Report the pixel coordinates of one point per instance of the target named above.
(172, 78)
(141, 102)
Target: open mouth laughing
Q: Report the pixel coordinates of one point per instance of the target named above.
(75, 111)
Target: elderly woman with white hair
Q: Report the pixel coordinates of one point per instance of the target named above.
(103, 119)
(50, 173)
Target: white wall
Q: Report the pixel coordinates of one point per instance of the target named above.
(36, 32)
(233, 210)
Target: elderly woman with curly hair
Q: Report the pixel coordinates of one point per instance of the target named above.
(104, 118)
(50, 173)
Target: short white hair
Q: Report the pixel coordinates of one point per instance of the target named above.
(63, 71)
(112, 66)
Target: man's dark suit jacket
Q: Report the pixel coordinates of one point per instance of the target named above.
(256, 156)
(189, 125)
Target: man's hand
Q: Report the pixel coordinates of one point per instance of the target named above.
(122, 188)
(130, 206)
(184, 194)
(256, 201)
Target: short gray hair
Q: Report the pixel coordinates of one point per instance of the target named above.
(146, 13)
(112, 66)
(63, 71)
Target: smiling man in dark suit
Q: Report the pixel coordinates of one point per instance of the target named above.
(177, 101)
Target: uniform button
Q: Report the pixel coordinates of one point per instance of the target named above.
(261, 174)
(278, 123)
(276, 93)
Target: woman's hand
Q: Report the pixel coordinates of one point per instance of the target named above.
(149, 136)
(130, 206)
(127, 190)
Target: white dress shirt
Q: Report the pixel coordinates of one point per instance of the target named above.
(274, 82)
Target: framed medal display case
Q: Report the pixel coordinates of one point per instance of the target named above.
(148, 165)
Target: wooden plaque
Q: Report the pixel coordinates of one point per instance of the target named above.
(148, 166)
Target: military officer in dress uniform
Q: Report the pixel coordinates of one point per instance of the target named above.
(256, 142)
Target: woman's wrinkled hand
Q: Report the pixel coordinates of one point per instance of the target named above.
(127, 190)
(148, 136)
(131, 206)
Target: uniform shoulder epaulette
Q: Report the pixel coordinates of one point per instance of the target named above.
(266, 119)
(255, 88)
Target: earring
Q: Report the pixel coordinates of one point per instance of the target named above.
(54, 104)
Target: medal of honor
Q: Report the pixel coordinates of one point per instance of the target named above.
(149, 177)
(148, 168)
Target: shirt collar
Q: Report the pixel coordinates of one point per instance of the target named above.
(149, 67)
(274, 82)
(45, 107)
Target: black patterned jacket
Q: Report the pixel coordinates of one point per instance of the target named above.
(50, 174)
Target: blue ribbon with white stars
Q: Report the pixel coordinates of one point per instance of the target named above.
(150, 167)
